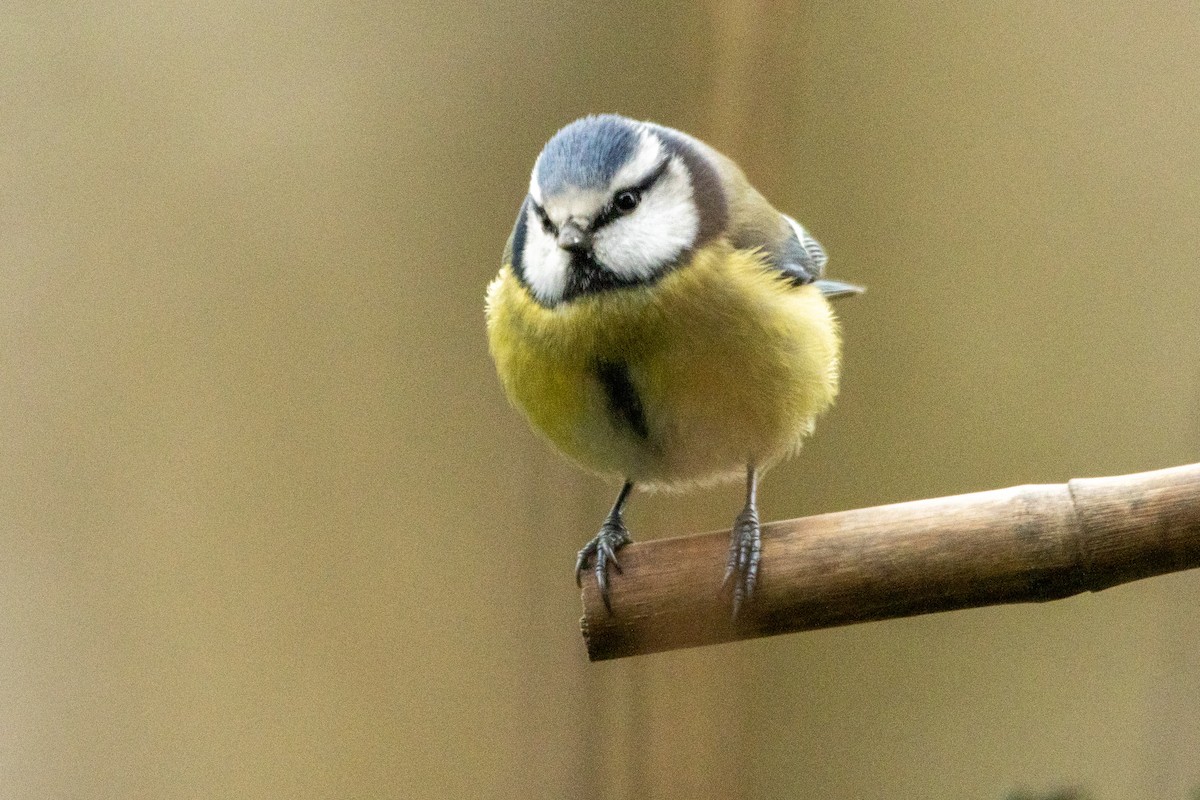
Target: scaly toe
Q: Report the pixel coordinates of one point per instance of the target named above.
(603, 548)
(741, 567)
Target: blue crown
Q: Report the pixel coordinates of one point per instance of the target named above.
(587, 153)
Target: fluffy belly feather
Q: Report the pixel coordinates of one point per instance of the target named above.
(726, 364)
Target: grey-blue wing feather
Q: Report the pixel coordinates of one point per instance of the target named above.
(802, 259)
(799, 256)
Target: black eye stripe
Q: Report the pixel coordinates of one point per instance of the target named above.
(611, 212)
(547, 224)
(644, 185)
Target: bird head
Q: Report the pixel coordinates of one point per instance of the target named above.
(612, 203)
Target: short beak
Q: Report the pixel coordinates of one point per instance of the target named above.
(574, 238)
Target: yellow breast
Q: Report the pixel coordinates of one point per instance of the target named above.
(730, 365)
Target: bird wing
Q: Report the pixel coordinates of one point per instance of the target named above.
(755, 223)
(789, 248)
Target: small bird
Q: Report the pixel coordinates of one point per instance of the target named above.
(662, 324)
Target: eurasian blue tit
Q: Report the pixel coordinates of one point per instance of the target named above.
(661, 323)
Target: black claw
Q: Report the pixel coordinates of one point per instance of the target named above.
(612, 537)
(741, 568)
(581, 562)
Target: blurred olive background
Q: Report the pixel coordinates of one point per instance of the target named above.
(270, 530)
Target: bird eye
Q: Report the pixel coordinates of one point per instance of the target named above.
(627, 201)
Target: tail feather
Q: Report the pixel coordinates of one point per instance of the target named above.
(837, 288)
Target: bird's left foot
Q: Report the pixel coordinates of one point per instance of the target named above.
(741, 568)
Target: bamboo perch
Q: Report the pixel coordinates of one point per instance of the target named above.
(1017, 545)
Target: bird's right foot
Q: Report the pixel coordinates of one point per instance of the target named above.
(603, 549)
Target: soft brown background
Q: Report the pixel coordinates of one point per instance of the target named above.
(267, 528)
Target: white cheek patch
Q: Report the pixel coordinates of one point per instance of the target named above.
(664, 225)
(543, 263)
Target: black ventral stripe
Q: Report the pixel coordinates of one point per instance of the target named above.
(623, 401)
